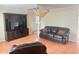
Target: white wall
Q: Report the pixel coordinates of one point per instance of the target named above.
(31, 21)
(2, 29)
(78, 28)
(63, 17)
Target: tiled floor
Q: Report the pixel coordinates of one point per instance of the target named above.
(52, 47)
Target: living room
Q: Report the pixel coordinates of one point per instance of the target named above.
(58, 15)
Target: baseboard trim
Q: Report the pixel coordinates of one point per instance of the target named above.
(2, 42)
(75, 41)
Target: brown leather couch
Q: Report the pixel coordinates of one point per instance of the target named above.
(31, 48)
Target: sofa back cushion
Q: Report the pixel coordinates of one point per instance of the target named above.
(62, 31)
(54, 29)
(51, 29)
(48, 28)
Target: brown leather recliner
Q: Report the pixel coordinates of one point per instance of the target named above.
(31, 48)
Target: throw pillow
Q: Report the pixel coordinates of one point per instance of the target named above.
(44, 30)
(61, 32)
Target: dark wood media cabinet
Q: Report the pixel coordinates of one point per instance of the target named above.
(15, 25)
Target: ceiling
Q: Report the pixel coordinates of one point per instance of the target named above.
(18, 6)
(58, 5)
(30, 6)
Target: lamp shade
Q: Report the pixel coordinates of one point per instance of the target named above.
(41, 12)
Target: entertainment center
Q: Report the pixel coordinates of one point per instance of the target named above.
(15, 26)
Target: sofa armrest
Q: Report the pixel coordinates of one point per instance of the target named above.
(43, 30)
(67, 33)
(66, 36)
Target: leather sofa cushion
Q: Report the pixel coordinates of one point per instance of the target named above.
(51, 29)
(54, 30)
(57, 36)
